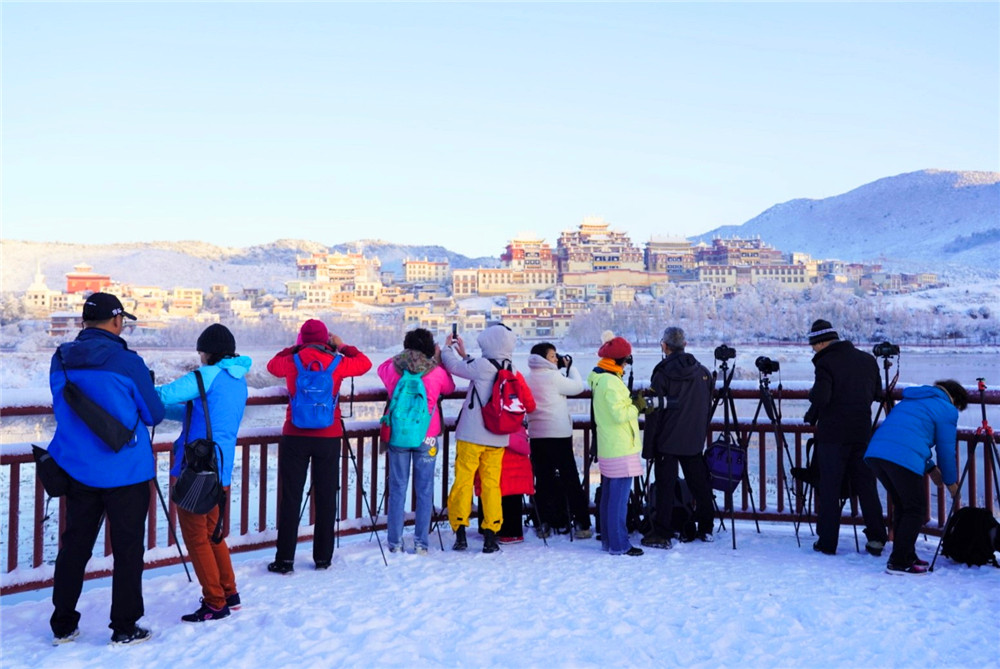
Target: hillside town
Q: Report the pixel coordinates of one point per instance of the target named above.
(537, 290)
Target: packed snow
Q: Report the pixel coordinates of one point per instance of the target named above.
(769, 603)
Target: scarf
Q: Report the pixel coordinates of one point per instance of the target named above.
(608, 365)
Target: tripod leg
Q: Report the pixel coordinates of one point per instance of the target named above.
(951, 512)
(538, 520)
(364, 495)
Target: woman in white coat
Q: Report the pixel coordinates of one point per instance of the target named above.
(552, 379)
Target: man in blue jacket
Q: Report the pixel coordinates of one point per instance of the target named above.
(900, 454)
(104, 482)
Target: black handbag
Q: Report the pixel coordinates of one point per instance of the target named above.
(108, 428)
(199, 489)
(54, 478)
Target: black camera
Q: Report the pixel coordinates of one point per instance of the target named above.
(723, 353)
(885, 350)
(766, 365)
(564, 361)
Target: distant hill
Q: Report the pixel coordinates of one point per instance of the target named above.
(930, 220)
(192, 263)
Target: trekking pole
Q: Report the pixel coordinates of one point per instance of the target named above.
(163, 503)
(170, 526)
(364, 494)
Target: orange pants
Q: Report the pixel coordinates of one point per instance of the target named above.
(211, 562)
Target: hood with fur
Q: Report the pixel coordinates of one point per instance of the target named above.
(413, 361)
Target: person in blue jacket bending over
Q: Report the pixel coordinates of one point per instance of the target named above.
(900, 454)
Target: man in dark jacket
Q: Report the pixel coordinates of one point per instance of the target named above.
(675, 433)
(105, 483)
(840, 406)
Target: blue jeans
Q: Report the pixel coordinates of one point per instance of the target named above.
(400, 460)
(614, 506)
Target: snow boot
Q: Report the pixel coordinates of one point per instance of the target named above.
(490, 544)
(460, 542)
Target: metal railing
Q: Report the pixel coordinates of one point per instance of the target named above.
(252, 512)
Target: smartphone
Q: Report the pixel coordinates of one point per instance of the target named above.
(454, 330)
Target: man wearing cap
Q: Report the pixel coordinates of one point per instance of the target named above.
(840, 406)
(104, 483)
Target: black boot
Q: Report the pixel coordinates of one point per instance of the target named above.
(460, 543)
(490, 544)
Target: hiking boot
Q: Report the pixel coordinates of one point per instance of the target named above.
(135, 635)
(206, 612)
(583, 533)
(913, 569)
(321, 566)
(706, 537)
(395, 549)
(233, 602)
(874, 547)
(820, 550)
(59, 639)
(655, 540)
(635, 551)
(281, 567)
(420, 550)
(460, 542)
(490, 544)
(921, 563)
(511, 540)
(543, 531)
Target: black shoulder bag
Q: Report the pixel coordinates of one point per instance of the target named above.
(199, 487)
(108, 428)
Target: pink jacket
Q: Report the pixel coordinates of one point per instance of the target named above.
(437, 381)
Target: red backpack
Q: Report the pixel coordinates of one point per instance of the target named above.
(509, 401)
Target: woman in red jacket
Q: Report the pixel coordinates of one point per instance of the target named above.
(322, 445)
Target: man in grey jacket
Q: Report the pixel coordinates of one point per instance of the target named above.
(476, 448)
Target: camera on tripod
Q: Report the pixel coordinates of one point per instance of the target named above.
(723, 353)
(885, 350)
(766, 366)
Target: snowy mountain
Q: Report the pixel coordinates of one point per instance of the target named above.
(193, 263)
(920, 220)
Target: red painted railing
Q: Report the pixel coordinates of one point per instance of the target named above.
(253, 501)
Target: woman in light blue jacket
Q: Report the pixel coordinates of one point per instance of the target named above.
(223, 375)
(900, 454)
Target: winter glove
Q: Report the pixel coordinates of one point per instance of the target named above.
(639, 402)
(810, 416)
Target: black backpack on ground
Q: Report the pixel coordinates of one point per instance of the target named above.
(971, 537)
(681, 523)
(633, 515)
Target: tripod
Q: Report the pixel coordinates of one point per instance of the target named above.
(364, 494)
(984, 432)
(887, 402)
(727, 444)
(773, 412)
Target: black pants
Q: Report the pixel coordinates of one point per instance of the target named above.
(513, 516)
(547, 457)
(839, 463)
(696, 475)
(294, 454)
(909, 507)
(126, 509)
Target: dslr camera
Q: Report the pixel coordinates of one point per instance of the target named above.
(766, 366)
(564, 361)
(885, 350)
(723, 353)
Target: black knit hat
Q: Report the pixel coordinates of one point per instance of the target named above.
(822, 331)
(217, 339)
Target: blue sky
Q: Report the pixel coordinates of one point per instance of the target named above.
(466, 124)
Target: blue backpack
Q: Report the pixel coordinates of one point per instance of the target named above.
(313, 404)
(407, 415)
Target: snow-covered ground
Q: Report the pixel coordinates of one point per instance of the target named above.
(767, 604)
